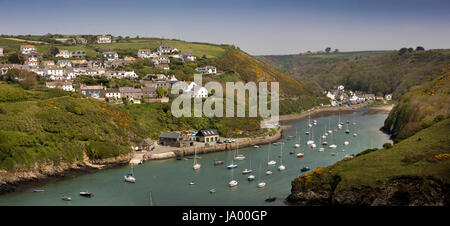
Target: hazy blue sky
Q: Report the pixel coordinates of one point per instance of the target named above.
(258, 27)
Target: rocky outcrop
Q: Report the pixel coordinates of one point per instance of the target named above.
(10, 181)
(402, 191)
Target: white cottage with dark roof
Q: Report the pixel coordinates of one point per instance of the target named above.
(207, 135)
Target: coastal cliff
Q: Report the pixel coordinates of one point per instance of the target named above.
(414, 171)
(420, 107)
(10, 181)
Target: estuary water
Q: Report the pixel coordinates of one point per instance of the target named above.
(166, 182)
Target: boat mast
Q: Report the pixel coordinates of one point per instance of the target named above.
(195, 155)
(281, 159)
(151, 200)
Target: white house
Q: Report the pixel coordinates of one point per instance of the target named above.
(187, 87)
(207, 70)
(199, 92)
(146, 53)
(112, 93)
(121, 74)
(160, 60)
(64, 63)
(166, 50)
(388, 97)
(67, 86)
(54, 70)
(33, 56)
(31, 63)
(63, 54)
(330, 95)
(110, 55)
(48, 63)
(187, 56)
(38, 71)
(1, 52)
(104, 39)
(25, 49)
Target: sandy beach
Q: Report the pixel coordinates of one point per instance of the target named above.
(323, 111)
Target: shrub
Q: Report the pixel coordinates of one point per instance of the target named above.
(100, 150)
(387, 145)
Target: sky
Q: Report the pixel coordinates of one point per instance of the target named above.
(257, 27)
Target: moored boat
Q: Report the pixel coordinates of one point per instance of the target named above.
(86, 194)
(66, 198)
(304, 169)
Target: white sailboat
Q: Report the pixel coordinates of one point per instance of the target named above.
(329, 126)
(346, 143)
(309, 120)
(130, 177)
(270, 162)
(298, 144)
(232, 165)
(324, 138)
(261, 184)
(333, 146)
(281, 167)
(311, 142)
(347, 131)
(238, 156)
(247, 171)
(196, 165)
(233, 182)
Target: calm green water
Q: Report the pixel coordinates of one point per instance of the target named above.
(168, 180)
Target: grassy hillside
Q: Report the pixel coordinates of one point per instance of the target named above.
(129, 46)
(421, 107)
(371, 71)
(41, 126)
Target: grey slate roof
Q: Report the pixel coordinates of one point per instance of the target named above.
(207, 132)
(171, 135)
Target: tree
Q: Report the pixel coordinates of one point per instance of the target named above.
(26, 79)
(160, 91)
(336, 50)
(328, 49)
(53, 50)
(14, 58)
(420, 48)
(402, 51)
